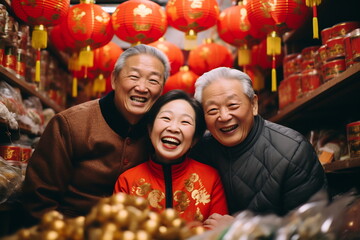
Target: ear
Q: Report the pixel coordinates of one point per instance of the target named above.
(113, 79)
(255, 105)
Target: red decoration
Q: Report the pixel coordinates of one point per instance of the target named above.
(192, 17)
(105, 59)
(208, 56)
(89, 27)
(275, 17)
(264, 60)
(139, 21)
(40, 14)
(173, 52)
(184, 79)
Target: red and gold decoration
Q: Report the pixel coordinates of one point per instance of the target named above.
(183, 79)
(208, 56)
(139, 21)
(234, 28)
(276, 17)
(313, 4)
(173, 52)
(104, 62)
(191, 17)
(40, 14)
(87, 27)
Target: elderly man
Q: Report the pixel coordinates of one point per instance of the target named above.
(86, 147)
(265, 167)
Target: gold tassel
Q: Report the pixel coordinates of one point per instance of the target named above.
(313, 4)
(86, 57)
(273, 80)
(315, 28)
(244, 56)
(39, 37)
(37, 66)
(102, 84)
(74, 87)
(190, 40)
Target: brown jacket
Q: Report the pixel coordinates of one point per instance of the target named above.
(79, 158)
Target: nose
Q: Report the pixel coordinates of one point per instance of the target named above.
(224, 115)
(141, 85)
(173, 126)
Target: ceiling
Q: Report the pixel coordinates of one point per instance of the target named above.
(112, 2)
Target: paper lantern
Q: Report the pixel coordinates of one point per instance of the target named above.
(173, 52)
(313, 4)
(234, 28)
(183, 79)
(89, 27)
(275, 17)
(40, 14)
(192, 17)
(208, 56)
(139, 21)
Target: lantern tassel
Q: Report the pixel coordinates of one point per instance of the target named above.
(86, 57)
(37, 66)
(39, 37)
(315, 24)
(190, 40)
(273, 75)
(74, 87)
(273, 44)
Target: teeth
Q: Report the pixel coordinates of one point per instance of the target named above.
(170, 140)
(228, 128)
(138, 99)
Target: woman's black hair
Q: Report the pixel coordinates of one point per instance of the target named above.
(176, 94)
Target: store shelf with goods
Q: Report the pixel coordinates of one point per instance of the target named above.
(28, 89)
(349, 164)
(334, 103)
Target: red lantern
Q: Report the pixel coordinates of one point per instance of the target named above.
(40, 14)
(139, 21)
(208, 56)
(234, 28)
(184, 80)
(89, 27)
(192, 17)
(173, 52)
(275, 17)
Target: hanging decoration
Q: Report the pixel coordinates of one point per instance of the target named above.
(89, 27)
(276, 17)
(313, 4)
(183, 79)
(173, 52)
(139, 21)
(40, 14)
(234, 28)
(208, 56)
(104, 62)
(192, 17)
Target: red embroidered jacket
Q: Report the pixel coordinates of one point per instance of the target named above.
(192, 188)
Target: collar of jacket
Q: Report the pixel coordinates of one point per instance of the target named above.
(117, 121)
(177, 169)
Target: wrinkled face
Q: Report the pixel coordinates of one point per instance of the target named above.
(173, 131)
(138, 86)
(229, 114)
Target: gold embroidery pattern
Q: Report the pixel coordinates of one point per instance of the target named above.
(198, 215)
(141, 188)
(182, 200)
(155, 197)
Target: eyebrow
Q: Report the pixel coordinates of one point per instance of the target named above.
(210, 102)
(139, 70)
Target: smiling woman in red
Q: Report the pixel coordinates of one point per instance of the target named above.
(170, 179)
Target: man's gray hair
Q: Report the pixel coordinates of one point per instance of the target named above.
(223, 73)
(142, 49)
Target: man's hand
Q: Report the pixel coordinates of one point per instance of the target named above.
(216, 220)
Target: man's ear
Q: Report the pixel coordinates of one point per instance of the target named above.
(255, 105)
(113, 78)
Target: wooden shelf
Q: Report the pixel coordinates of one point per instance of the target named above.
(333, 101)
(342, 165)
(28, 89)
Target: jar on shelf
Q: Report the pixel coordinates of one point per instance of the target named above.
(310, 80)
(335, 48)
(20, 63)
(333, 68)
(353, 137)
(3, 16)
(355, 44)
(9, 59)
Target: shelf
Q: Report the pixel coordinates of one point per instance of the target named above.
(330, 102)
(26, 88)
(342, 165)
(22, 129)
